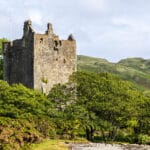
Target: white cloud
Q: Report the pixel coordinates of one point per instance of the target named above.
(95, 5)
(35, 16)
(106, 28)
(135, 24)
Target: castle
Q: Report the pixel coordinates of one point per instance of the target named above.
(39, 60)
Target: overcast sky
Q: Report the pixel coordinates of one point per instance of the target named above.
(111, 29)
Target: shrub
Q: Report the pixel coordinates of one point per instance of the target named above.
(143, 139)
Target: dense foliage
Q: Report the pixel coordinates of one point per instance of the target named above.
(1, 41)
(96, 106)
(1, 60)
(113, 105)
(104, 106)
(24, 116)
(1, 69)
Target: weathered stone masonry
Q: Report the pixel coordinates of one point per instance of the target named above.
(39, 60)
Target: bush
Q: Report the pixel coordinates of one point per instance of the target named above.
(14, 133)
(24, 116)
(143, 139)
(122, 137)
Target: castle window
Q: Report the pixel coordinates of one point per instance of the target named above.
(56, 43)
(64, 61)
(41, 40)
(56, 48)
(60, 43)
(56, 59)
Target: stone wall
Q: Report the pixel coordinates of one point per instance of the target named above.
(54, 60)
(18, 60)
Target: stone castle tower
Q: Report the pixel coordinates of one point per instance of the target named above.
(39, 60)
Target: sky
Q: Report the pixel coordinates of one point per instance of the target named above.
(110, 29)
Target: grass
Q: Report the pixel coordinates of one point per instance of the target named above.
(48, 145)
(135, 70)
(53, 145)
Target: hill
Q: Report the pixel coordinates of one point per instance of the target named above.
(136, 70)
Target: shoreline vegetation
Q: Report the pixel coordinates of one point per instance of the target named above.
(54, 144)
(27, 116)
(97, 106)
(48, 144)
(58, 144)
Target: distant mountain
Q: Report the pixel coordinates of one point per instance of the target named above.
(136, 70)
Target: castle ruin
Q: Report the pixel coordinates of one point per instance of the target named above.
(39, 60)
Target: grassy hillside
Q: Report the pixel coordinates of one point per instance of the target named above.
(136, 70)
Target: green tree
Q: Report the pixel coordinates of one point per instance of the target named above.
(1, 69)
(108, 99)
(1, 58)
(63, 98)
(1, 41)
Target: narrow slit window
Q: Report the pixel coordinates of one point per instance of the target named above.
(41, 40)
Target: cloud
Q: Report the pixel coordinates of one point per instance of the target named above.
(94, 7)
(134, 24)
(104, 28)
(35, 16)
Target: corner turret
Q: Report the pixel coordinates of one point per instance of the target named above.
(27, 32)
(49, 29)
(71, 37)
(27, 28)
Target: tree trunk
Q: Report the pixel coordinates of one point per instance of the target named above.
(90, 134)
(103, 135)
(87, 134)
(112, 133)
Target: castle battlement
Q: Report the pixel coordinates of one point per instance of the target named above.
(39, 60)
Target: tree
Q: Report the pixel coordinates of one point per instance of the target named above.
(1, 41)
(63, 99)
(102, 102)
(1, 59)
(109, 99)
(1, 69)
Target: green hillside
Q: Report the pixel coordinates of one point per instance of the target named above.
(136, 70)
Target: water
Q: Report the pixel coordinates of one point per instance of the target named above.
(99, 146)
